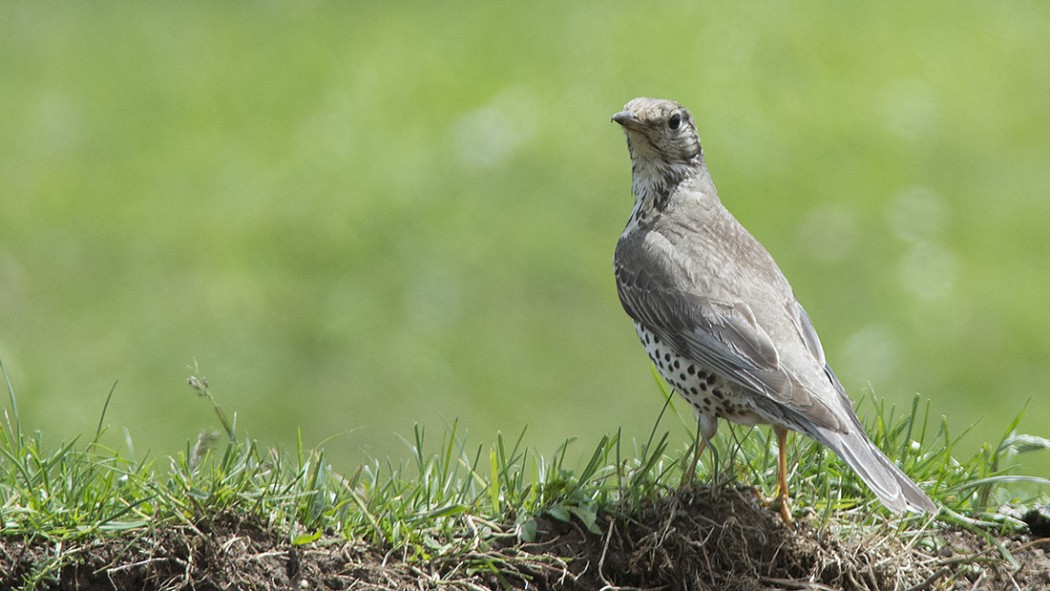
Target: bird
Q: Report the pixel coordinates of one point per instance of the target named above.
(717, 316)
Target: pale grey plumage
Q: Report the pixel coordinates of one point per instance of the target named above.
(690, 275)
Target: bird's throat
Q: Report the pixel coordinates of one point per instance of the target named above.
(654, 180)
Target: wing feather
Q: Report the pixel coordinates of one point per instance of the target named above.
(659, 289)
(724, 336)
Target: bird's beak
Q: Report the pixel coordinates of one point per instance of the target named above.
(627, 119)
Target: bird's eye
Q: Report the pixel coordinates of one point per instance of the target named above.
(675, 121)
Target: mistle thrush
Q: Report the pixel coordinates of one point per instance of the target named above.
(717, 316)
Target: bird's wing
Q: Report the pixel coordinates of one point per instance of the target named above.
(805, 329)
(723, 336)
(659, 290)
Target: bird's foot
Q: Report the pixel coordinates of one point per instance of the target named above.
(785, 511)
(687, 477)
(779, 502)
(690, 471)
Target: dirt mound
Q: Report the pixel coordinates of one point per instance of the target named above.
(724, 539)
(721, 539)
(697, 540)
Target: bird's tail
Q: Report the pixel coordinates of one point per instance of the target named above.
(896, 491)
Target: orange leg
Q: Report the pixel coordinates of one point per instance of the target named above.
(782, 484)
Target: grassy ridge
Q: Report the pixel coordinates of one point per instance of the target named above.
(451, 495)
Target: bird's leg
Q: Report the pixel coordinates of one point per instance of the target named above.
(782, 485)
(698, 446)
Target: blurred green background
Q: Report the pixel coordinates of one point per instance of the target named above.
(361, 216)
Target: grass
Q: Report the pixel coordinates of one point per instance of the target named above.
(453, 499)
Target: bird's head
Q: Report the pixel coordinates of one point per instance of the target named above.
(659, 130)
(664, 146)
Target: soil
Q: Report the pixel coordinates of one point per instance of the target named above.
(695, 540)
